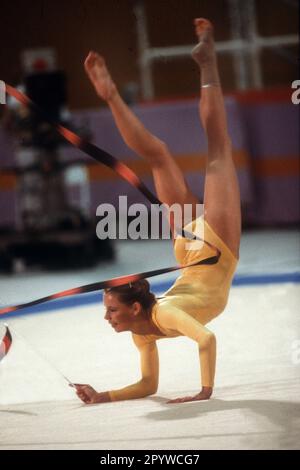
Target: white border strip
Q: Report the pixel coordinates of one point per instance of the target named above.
(2, 92)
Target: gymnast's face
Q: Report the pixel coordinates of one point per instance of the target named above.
(119, 315)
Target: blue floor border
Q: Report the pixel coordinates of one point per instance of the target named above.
(92, 298)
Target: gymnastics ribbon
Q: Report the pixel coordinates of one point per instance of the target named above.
(5, 343)
(127, 174)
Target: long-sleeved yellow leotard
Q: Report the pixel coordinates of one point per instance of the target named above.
(198, 295)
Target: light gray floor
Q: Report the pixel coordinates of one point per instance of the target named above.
(266, 252)
(256, 402)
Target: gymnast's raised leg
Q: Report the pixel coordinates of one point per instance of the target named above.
(169, 181)
(221, 191)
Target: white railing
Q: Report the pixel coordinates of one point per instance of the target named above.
(246, 51)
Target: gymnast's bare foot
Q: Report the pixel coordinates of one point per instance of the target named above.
(204, 53)
(98, 73)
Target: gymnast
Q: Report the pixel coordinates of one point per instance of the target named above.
(200, 293)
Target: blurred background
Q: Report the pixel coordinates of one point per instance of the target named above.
(49, 191)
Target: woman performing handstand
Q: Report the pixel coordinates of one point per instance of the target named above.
(201, 292)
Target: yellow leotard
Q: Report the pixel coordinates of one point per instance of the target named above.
(198, 295)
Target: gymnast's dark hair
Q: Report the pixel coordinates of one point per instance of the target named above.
(138, 291)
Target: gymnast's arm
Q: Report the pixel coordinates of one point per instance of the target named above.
(135, 135)
(148, 383)
(171, 317)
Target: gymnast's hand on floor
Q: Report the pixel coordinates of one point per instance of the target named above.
(88, 395)
(205, 394)
(99, 75)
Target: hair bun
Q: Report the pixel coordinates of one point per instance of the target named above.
(135, 291)
(142, 286)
